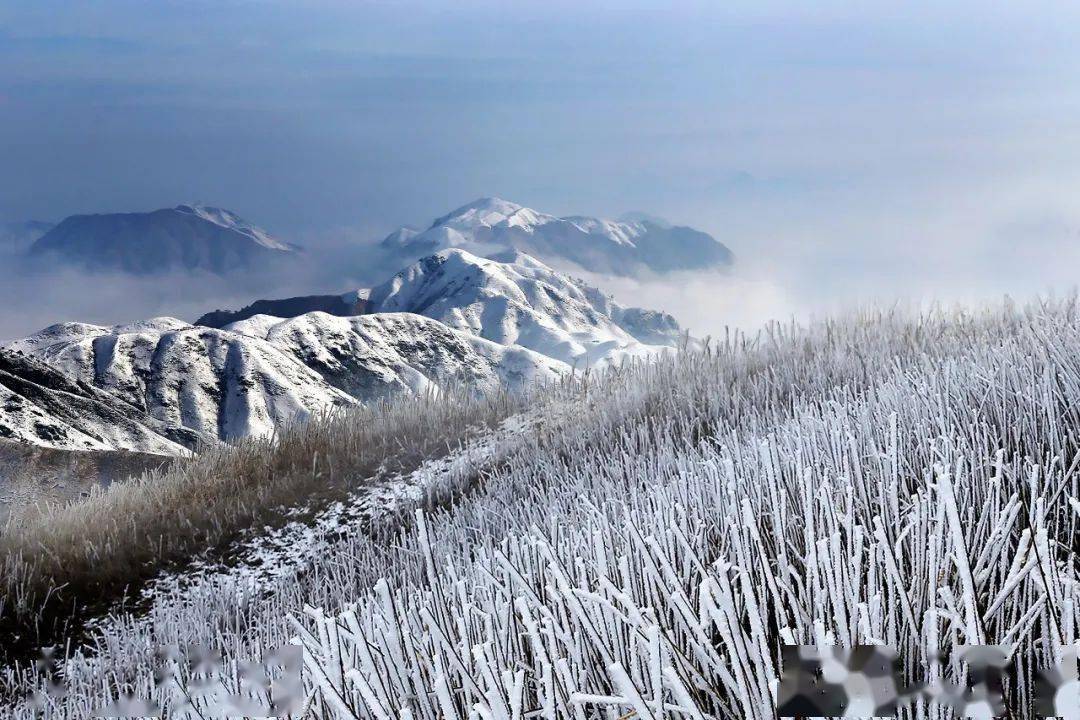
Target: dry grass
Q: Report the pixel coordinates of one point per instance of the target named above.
(75, 558)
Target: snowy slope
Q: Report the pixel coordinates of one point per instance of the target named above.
(231, 221)
(40, 406)
(515, 299)
(376, 356)
(263, 373)
(218, 384)
(344, 305)
(187, 237)
(491, 225)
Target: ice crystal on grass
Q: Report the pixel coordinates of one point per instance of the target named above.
(648, 545)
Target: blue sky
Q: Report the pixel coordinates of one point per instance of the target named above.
(841, 150)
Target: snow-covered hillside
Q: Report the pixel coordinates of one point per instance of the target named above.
(40, 406)
(377, 356)
(516, 299)
(218, 384)
(343, 305)
(492, 225)
(263, 373)
(187, 237)
(637, 544)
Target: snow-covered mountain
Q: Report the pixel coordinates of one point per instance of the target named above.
(492, 225)
(187, 237)
(263, 373)
(514, 299)
(218, 384)
(343, 305)
(451, 318)
(41, 406)
(376, 356)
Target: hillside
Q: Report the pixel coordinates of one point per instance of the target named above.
(513, 298)
(219, 385)
(41, 406)
(340, 305)
(642, 542)
(258, 376)
(377, 357)
(186, 238)
(492, 225)
(33, 476)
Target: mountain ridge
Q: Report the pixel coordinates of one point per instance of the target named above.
(185, 237)
(41, 406)
(513, 298)
(628, 247)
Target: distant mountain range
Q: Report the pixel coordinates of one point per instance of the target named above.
(209, 239)
(477, 307)
(340, 305)
(449, 319)
(631, 247)
(187, 237)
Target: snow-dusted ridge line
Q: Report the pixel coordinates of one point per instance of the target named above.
(41, 406)
(231, 221)
(219, 385)
(381, 355)
(491, 225)
(264, 373)
(513, 298)
(193, 238)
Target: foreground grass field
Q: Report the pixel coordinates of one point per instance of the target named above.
(646, 540)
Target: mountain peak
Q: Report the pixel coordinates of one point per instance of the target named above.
(186, 237)
(491, 225)
(488, 212)
(515, 299)
(231, 221)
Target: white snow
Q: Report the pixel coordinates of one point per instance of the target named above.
(231, 221)
(261, 374)
(492, 225)
(372, 356)
(40, 406)
(516, 300)
(221, 385)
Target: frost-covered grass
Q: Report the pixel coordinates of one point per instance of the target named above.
(647, 543)
(55, 563)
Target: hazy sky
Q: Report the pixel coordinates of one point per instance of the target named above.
(843, 150)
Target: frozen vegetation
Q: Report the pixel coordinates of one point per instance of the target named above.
(640, 542)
